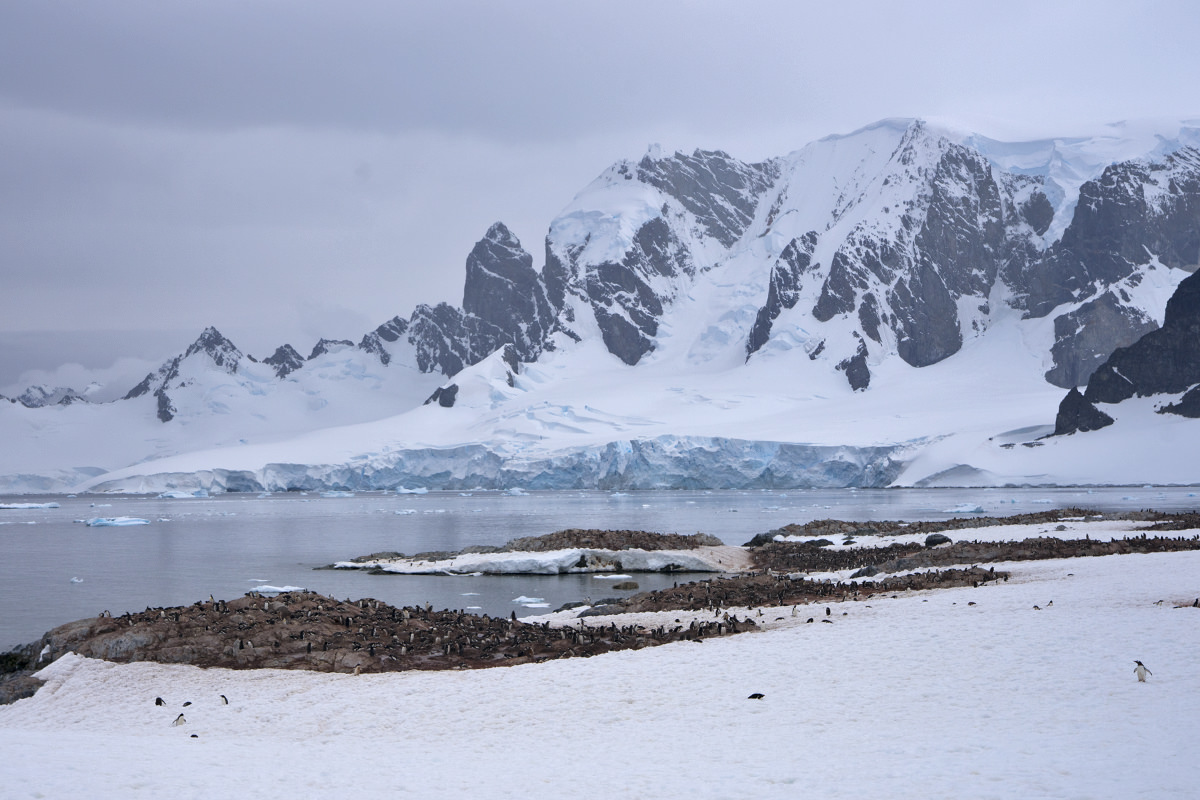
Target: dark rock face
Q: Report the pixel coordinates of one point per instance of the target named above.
(784, 288)
(165, 408)
(1164, 361)
(1134, 210)
(1075, 414)
(285, 360)
(447, 339)
(1085, 337)
(855, 367)
(389, 331)
(721, 191)
(627, 307)
(444, 396)
(502, 288)
(326, 345)
(1188, 405)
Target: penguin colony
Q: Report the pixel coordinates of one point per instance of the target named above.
(305, 630)
(810, 557)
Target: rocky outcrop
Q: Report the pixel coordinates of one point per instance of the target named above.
(1076, 414)
(1164, 361)
(375, 342)
(721, 191)
(285, 360)
(324, 346)
(503, 289)
(447, 339)
(1084, 338)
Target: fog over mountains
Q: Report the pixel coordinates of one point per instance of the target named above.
(900, 305)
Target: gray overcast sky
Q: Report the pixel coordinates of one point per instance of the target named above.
(286, 169)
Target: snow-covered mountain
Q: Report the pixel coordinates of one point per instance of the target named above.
(905, 303)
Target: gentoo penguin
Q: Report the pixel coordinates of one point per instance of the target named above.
(756, 696)
(1141, 671)
(188, 703)
(158, 701)
(224, 700)
(178, 721)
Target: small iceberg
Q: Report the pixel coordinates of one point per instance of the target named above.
(337, 494)
(516, 492)
(403, 490)
(176, 494)
(278, 589)
(76, 580)
(964, 508)
(528, 601)
(612, 577)
(27, 506)
(115, 522)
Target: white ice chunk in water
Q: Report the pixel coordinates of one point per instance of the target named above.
(528, 601)
(27, 506)
(115, 522)
(964, 508)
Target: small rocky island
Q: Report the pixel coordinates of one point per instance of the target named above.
(568, 551)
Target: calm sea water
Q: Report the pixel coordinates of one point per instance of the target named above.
(227, 545)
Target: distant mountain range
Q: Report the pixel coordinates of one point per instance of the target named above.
(891, 299)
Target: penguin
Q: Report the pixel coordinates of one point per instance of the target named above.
(756, 696)
(827, 611)
(1141, 671)
(178, 721)
(224, 700)
(158, 701)
(188, 703)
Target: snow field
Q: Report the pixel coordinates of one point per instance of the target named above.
(922, 696)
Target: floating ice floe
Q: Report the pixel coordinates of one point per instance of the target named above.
(101, 505)
(406, 511)
(525, 601)
(337, 494)
(115, 522)
(278, 589)
(516, 492)
(612, 577)
(964, 508)
(27, 506)
(403, 490)
(176, 494)
(76, 580)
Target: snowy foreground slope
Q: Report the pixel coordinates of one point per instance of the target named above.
(921, 696)
(902, 305)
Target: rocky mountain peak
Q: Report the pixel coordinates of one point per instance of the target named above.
(213, 344)
(284, 360)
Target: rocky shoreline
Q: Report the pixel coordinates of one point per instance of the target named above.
(305, 630)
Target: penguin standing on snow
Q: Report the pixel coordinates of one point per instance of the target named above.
(1141, 671)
